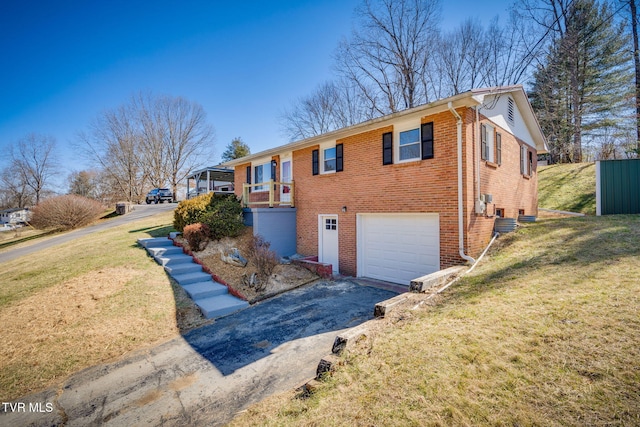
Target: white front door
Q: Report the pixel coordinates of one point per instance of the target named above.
(285, 176)
(328, 240)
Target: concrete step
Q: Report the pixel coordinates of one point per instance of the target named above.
(155, 242)
(176, 269)
(220, 305)
(163, 251)
(189, 278)
(202, 290)
(173, 259)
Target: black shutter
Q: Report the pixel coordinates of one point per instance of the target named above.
(499, 149)
(483, 142)
(315, 162)
(339, 158)
(249, 177)
(427, 140)
(273, 170)
(387, 148)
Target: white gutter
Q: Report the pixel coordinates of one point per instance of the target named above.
(460, 198)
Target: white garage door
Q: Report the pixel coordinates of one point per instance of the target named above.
(398, 247)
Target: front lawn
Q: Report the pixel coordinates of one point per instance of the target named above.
(85, 302)
(545, 331)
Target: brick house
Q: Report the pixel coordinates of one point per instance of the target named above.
(406, 194)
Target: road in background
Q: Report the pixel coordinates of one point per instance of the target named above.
(139, 212)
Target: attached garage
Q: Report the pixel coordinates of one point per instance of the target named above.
(398, 247)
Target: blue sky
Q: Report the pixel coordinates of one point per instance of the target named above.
(63, 62)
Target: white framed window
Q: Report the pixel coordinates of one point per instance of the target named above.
(409, 145)
(329, 160)
(488, 143)
(407, 148)
(328, 157)
(261, 173)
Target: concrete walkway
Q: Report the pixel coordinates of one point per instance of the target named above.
(211, 297)
(211, 373)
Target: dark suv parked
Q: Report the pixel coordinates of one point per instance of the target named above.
(159, 195)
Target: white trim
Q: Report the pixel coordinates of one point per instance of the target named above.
(326, 146)
(404, 126)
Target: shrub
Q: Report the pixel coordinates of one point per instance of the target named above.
(189, 211)
(196, 235)
(223, 216)
(65, 212)
(263, 258)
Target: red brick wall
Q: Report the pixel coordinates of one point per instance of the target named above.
(430, 186)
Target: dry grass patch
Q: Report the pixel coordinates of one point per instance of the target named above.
(83, 303)
(544, 332)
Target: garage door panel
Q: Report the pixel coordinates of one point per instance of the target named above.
(398, 247)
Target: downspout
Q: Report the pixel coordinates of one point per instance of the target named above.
(460, 198)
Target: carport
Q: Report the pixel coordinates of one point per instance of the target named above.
(214, 179)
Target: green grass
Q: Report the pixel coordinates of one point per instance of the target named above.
(568, 187)
(545, 331)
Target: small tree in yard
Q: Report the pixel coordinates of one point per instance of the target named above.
(65, 212)
(264, 259)
(196, 235)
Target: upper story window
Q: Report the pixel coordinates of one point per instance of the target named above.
(488, 148)
(409, 145)
(329, 160)
(408, 142)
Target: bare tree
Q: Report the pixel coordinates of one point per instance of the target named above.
(188, 138)
(34, 160)
(333, 105)
(153, 138)
(15, 193)
(388, 53)
(113, 143)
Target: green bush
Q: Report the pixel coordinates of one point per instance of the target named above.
(222, 213)
(196, 235)
(189, 211)
(224, 216)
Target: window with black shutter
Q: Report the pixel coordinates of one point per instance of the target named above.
(427, 140)
(387, 148)
(315, 162)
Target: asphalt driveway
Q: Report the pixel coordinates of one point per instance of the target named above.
(211, 373)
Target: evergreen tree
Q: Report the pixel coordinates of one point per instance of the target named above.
(584, 83)
(236, 149)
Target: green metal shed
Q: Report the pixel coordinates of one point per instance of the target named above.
(618, 187)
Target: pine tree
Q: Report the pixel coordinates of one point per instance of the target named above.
(585, 82)
(236, 149)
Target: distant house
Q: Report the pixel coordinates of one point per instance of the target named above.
(14, 216)
(403, 195)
